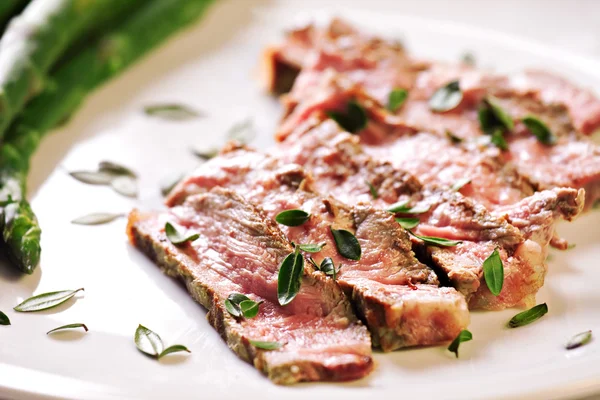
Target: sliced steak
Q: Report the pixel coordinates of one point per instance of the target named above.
(373, 61)
(240, 250)
(385, 283)
(565, 108)
(583, 105)
(342, 168)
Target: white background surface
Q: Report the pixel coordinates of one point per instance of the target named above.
(211, 67)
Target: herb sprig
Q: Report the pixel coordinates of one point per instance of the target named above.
(396, 98)
(463, 336)
(446, 98)
(69, 326)
(172, 111)
(292, 217)
(150, 343)
(289, 277)
(45, 301)
(353, 120)
(240, 305)
(120, 178)
(493, 272)
(581, 339)
(540, 130)
(346, 243)
(528, 316)
(178, 238)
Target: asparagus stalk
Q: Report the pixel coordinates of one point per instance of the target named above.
(71, 83)
(35, 40)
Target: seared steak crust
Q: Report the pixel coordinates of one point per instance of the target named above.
(239, 250)
(387, 264)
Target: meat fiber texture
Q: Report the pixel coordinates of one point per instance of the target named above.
(240, 250)
(331, 66)
(396, 295)
(521, 231)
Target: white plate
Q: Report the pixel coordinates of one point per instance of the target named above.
(211, 67)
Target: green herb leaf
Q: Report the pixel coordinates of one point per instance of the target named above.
(347, 244)
(579, 340)
(45, 301)
(328, 267)
(408, 223)
(173, 349)
(539, 129)
(453, 138)
(372, 189)
(289, 277)
(4, 319)
(92, 177)
(250, 308)
(242, 132)
(495, 121)
(446, 98)
(174, 112)
(353, 120)
(463, 336)
(110, 167)
(502, 118)
(436, 240)
(265, 345)
(487, 120)
(399, 207)
(292, 217)
(177, 237)
(96, 218)
(396, 99)
(240, 305)
(498, 140)
(459, 184)
(402, 207)
(493, 272)
(125, 185)
(169, 182)
(529, 316)
(69, 326)
(232, 304)
(311, 248)
(147, 341)
(205, 154)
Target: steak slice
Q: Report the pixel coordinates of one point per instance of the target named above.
(385, 284)
(240, 250)
(582, 104)
(342, 168)
(578, 155)
(565, 108)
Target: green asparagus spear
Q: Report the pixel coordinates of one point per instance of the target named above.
(41, 34)
(114, 52)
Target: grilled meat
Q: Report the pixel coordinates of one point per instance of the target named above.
(240, 250)
(342, 168)
(385, 283)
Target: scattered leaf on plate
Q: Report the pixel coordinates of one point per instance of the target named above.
(45, 301)
(125, 185)
(173, 112)
(96, 218)
(69, 326)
